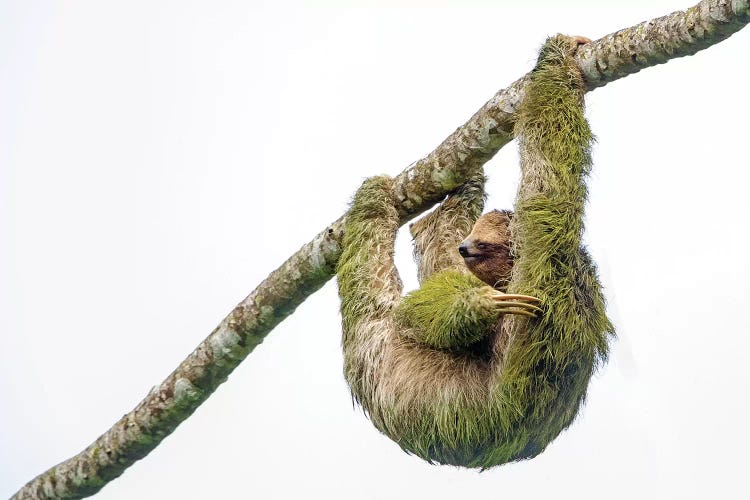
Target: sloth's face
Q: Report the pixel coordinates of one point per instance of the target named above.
(486, 251)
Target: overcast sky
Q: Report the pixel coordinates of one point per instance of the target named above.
(159, 159)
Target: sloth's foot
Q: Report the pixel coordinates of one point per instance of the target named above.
(522, 305)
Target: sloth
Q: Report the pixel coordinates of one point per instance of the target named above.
(489, 360)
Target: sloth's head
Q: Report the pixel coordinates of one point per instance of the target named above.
(486, 251)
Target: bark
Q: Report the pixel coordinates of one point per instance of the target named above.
(419, 187)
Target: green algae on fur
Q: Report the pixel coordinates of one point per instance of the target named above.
(448, 310)
(411, 362)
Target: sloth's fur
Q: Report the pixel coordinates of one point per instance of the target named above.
(440, 371)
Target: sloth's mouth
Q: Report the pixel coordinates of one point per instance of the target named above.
(473, 258)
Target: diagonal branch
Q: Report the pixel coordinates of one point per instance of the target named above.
(419, 187)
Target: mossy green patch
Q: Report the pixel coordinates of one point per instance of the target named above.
(450, 309)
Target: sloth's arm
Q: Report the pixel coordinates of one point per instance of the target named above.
(453, 309)
(437, 234)
(369, 284)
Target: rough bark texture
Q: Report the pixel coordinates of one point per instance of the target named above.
(419, 187)
(682, 33)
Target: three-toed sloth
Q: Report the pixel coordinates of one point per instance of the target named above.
(489, 360)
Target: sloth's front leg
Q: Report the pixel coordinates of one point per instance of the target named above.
(452, 309)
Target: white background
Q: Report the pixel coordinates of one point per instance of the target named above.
(158, 159)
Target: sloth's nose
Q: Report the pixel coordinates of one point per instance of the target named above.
(463, 249)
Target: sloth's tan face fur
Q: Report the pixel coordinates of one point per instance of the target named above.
(486, 251)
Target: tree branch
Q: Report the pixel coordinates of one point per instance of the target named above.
(418, 187)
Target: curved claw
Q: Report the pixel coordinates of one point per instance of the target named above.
(510, 303)
(520, 305)
(515, 296)
(517, 312)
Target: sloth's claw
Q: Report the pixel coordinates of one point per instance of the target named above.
(517, 312)
(522, 305)
(519, 305)
(580, 40)
(514, 296)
